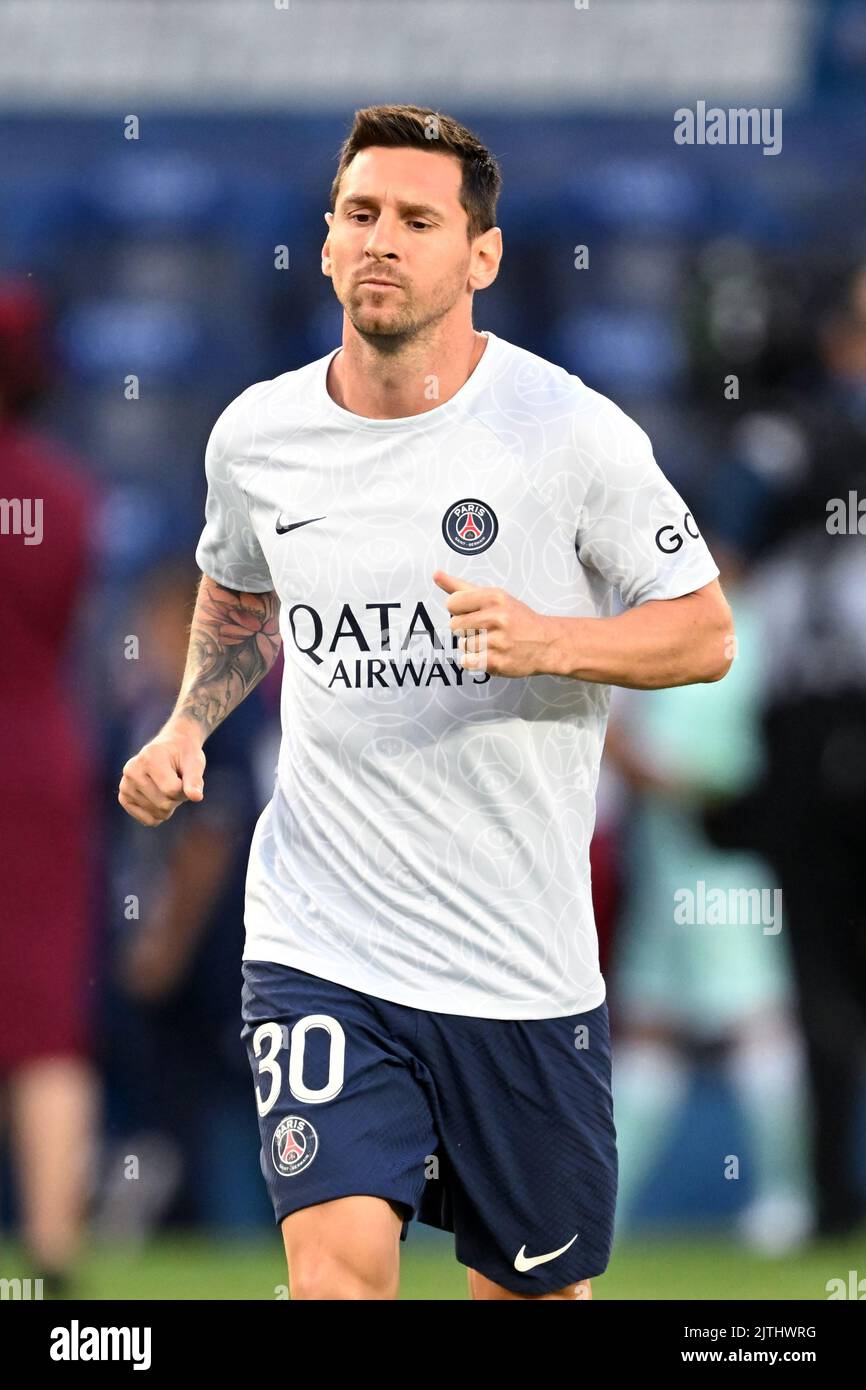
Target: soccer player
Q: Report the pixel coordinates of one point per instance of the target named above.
(433, 522)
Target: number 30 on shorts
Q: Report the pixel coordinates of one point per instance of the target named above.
(267, 1042)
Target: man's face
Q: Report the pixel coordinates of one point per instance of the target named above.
(398, 218)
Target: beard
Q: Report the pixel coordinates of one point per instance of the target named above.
(394, 318)
(383, 319)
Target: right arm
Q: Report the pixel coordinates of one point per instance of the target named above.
(234, 640)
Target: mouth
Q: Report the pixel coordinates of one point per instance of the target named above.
(381, 284)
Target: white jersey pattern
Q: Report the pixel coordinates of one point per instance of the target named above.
(427, 841)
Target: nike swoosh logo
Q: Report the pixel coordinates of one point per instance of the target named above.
(522, 1263)
(281, 530)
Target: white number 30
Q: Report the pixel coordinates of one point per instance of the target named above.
(267, 1041)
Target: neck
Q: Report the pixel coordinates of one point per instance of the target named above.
(388, 379)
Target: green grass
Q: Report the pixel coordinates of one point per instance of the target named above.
(195, 1267)
(712, 1267)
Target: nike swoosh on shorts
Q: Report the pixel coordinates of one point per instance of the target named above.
(522, 1262)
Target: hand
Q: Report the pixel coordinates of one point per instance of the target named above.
(168, 771)
(512, 639)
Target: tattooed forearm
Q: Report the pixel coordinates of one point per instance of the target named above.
(233, 642)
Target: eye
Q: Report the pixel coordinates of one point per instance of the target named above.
(415, 222)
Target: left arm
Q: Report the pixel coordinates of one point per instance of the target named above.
(659, 643)
(664, 642)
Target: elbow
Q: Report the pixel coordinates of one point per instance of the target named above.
(720, 647)
(717, 672)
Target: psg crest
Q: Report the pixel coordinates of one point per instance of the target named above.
(294, 1147)
(470, 526)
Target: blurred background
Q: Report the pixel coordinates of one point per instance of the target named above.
(159, 160)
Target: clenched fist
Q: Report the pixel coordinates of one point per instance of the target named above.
(168, 771)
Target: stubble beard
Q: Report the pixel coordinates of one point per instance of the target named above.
(391, 329)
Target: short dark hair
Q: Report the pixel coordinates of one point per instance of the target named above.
(421, 128)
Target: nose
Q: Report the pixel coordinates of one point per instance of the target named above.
(380, 242)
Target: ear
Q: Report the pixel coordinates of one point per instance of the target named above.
(326, 250)
(486, 255)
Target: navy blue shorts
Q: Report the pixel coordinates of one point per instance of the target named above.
(499, 1130)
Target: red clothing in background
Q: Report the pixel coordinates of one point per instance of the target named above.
(47, 807)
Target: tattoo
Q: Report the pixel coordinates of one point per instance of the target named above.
(234, 640)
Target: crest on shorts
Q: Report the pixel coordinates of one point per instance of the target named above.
(470, 526)
(294, 1145)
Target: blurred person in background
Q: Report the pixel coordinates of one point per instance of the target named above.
(721, 988)
(49, 1087)
(178, 1074)
(808, 814)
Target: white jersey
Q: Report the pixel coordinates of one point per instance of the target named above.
(427, 841)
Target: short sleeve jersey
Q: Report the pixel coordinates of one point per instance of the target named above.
(427, 841)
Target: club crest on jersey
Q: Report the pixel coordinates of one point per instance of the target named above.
(294, 1146)
(470, 526)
